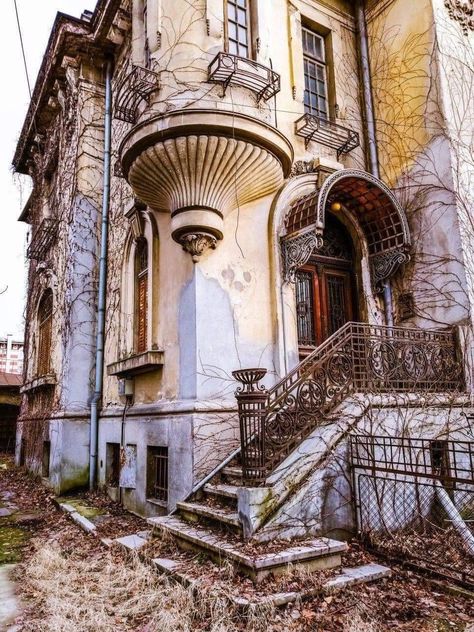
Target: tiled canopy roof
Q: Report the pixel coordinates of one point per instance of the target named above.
(367, 198)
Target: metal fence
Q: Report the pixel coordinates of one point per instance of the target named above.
(400, 512)
(357, 358)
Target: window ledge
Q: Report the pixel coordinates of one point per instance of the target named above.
(139, 363)
(160, 503)
(42, 381)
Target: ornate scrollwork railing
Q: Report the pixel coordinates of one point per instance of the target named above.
(357, 358)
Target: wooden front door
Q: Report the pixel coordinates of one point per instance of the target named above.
(325, 292)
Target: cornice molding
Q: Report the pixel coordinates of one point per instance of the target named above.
(461, 11)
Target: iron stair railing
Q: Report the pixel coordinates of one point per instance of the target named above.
(357, 358)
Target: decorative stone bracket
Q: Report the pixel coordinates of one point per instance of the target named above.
(297, 251)
(197, 244)
(384, 265)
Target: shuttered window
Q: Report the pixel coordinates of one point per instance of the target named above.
(45, 321)
(141, 285)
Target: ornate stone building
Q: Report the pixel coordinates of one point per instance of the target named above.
(290, 189)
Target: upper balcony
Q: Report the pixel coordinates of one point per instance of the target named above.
(43, 238)
(135, 86)
(232, 70)
(327, 133)
(199, 164)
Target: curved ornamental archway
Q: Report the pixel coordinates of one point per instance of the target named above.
(370, 202)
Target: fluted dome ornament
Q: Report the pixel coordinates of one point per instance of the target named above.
(200, 164)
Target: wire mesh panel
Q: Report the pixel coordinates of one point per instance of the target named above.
(411, 496)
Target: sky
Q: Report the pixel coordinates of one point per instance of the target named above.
(36, 19)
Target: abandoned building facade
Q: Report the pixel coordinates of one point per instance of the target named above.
(274, 195)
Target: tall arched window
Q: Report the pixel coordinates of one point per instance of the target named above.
(141, 294)
(45, 322)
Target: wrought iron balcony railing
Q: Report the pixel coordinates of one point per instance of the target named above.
(228, 69)
(357, 358)
(327, 133)
(43, 238)
(134, 87)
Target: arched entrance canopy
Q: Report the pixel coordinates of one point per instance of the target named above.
(374, 206)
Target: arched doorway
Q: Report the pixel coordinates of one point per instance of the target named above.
(325, 288)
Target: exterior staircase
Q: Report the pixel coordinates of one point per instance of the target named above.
(210, 524)
(277, 424)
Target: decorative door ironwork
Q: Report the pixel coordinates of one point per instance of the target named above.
(324, 290)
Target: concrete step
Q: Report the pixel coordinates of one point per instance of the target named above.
(232, 473)
(318, 553)
(194, 511)
(347, 577)
(221, 491)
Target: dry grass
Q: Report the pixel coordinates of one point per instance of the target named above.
(110, 593)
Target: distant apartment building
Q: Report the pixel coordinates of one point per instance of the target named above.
(11, 355)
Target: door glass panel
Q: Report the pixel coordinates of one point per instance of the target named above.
(305, 308)
(337, 307)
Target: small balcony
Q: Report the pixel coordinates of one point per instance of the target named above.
(43, 238)
(135, 87)
(327, 133)
(232, 70)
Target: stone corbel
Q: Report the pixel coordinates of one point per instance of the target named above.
(297, 250)
(197, 244)
(134, 214)
(384, 265)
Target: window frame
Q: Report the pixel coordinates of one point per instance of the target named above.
(141, 279)
(45, 333)
(323, 63)
(251, 27)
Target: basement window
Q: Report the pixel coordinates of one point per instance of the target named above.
(157, 473)
(46, 459)
(112, 464)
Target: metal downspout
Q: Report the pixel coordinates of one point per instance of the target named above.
(369, 127)
(99, 355)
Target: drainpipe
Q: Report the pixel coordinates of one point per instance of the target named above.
(99, 354)
(369, 127)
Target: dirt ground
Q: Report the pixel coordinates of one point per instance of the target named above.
(68, 581)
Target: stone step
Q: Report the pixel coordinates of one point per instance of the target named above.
(221, 490)
(347, 577)
(233, 473)
(318, 553)
(195, 511)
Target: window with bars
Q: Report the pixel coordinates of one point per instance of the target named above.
(157, 473)
(45, 322)
(238, 28)
(315, 74)
(141, 289)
